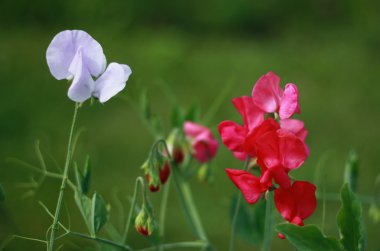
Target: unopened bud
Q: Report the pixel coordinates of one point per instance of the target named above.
(144, 222)
(164, 172)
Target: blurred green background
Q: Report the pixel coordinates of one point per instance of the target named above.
(330, 49)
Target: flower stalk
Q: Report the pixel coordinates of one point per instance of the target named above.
(55, 225)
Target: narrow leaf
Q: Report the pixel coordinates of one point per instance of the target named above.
(193, 113)
(145, 105)
(78, 178)
(86, 176)
(84, 206)
(308, 238)
(349, 220)
(352, 170)
(99, 213)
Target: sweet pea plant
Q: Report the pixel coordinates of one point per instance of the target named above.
(270, 141)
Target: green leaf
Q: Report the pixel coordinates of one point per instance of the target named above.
(349, 220)
(84, 205)
(83, 179)
(177, 117)
(99, 213)
(352, 170)
(250, 221)
(2, 193)
(308, 238)
(87, 176)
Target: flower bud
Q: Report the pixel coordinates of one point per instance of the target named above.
(164, 172)
(177, 146)
(151, 175)
(144, 222)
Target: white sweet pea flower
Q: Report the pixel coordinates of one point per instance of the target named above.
(76, 56)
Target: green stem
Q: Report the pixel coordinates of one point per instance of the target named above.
(55, 225)
(187, 204)
(101, 240)
(268, 227)
(188, 244)
(164, 203)
(139, 181)
(236, 213)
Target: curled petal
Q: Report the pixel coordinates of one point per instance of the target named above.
(248, 184)
(296, 203)
(233, 137)
(289, 103)
(268, 152)
(112, 81)
(267, 93)
(82, 86)
(65, 46)
(292, 149)
(251, 114)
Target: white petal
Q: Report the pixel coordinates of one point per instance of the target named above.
(83, 84)
(63, 48)
(112, 81)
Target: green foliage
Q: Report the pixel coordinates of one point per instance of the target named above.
(2, 193)
(83, 179)
(349, 220)
(99, 213)
(352, 170)
(250, 221)
(94, 211)
(308, 238)
(177, 117)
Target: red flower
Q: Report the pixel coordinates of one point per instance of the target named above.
(202, 141)
(269, 97)
(296, 203)
(248, 184)
(279, 152)
(233, 135)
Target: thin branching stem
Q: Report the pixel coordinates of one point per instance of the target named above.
(164, 203)
(177, 245)
(63, 184)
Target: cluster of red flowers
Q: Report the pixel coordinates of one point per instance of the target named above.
(277, 142)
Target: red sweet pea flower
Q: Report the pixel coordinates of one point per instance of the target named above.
(269, 97)
(233, 135)
(203, 142)
(278, 152)
(248, 184)
(296, 203)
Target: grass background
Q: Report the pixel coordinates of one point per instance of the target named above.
(329, 49)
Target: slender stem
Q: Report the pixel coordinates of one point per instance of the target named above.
(236, 213)
(139, 181)
(105, 241)
(63, 184)
(268, 227)
(188, 206)
(164, 203)
(188, 244)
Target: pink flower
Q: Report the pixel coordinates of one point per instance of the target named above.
(233, 135)
(296, 203)
(248, 184)
(203, 142)
(269, 97)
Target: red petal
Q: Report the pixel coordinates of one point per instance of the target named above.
(233, 136)
(247, 183)
(267, 92)
(251, 114)
(296, 203)
(292, 150)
